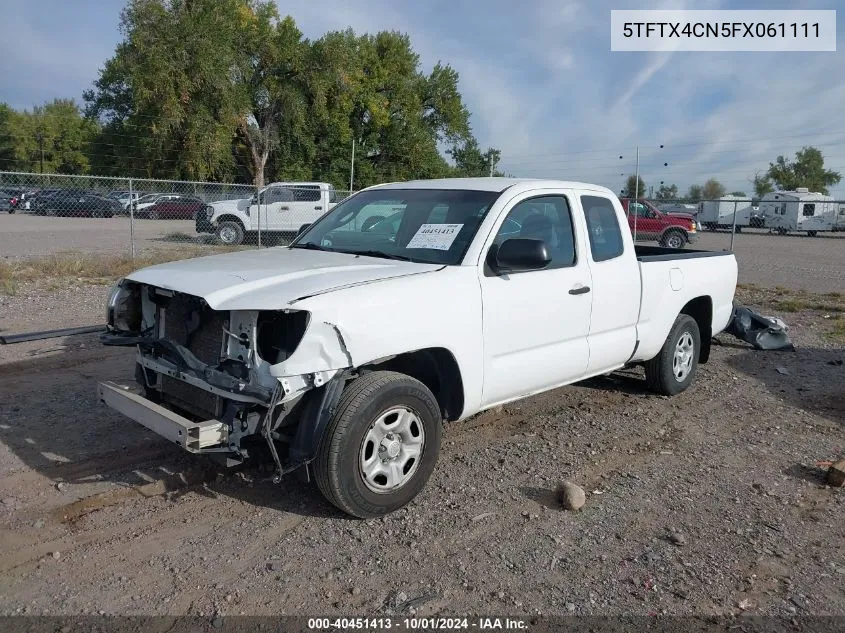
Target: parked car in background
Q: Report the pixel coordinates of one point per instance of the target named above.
(125, 197)
(8, 201)
(147, 201)
(674, 230)
(172, 208)
(27, 199)
(281, 208)
(76, 203)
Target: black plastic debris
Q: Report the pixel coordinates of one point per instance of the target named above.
(762, 332)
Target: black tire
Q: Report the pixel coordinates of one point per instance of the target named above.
(337, 467)
(811, 233)
(153, 215)
(673, 239)
(230, 233)
(660, 371)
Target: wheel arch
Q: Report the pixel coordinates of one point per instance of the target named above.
(435, 367)
(676, 228)
(229, 217)
(701, 310)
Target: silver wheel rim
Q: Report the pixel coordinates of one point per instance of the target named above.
(682, 361)
(392, 450)
(674, 241)
(227, 234)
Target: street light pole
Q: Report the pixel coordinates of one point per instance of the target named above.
(636, 190)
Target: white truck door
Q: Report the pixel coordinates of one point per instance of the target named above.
(535, 323)
(270, 213)
(307, 206)
(616, 284)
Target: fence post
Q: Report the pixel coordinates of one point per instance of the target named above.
(733, 228)
(131, 220)
(258, 206)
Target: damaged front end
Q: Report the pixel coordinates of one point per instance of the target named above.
(233, 384)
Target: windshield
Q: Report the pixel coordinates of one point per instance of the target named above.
(432, 226)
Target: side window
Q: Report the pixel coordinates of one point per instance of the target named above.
(547, 218)
(603, 227)
(307, 194)
(809, 210)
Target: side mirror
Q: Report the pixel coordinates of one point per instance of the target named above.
(521, 254)
(302, 229)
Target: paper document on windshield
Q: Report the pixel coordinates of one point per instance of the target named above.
(437, 236)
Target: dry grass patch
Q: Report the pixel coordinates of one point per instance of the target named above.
(59, 270)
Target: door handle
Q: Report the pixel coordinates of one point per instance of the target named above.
(284, 208)
(581, 290)
(318, 208)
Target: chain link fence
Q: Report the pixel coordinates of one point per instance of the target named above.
(92, 214)
(780, 236)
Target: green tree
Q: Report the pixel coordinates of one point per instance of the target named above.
(762, 185)
(712, 189)
(738, 194)
(471, 161)
(53, 137)
(168, 90)
(632, 188)
(807, 170)
(210, 89)
(694, 193)
(667, 192)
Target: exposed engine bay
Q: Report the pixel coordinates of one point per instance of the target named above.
(229, 367)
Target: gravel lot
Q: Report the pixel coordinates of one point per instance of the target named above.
(795, 261)
(707, 503)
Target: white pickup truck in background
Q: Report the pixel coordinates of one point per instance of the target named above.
(279, 208)
(344, 352)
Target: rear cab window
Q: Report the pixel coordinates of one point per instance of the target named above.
(603, 228)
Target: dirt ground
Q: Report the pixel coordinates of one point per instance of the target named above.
(712, 502)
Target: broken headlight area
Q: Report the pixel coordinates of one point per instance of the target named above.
(123, 308)
(279, 333)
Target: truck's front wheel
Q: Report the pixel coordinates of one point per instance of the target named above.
(673, 369)
(230, 233)
(381, 444)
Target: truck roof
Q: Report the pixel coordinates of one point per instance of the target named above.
(490, 184)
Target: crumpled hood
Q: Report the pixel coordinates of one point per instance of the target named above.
(231, 205)
(271, 278)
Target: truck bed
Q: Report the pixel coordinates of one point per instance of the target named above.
(661, 254)
(671, 279)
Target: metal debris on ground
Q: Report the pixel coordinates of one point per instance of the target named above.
(765, 333)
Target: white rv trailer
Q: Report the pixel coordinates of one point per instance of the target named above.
(839, 225)
(799, 210)
(719, 214)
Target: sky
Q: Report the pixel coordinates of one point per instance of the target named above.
(538, 77)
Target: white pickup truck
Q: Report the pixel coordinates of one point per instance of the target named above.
(279, 208)
(344, 352)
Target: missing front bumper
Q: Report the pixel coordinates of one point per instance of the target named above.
(194, 437)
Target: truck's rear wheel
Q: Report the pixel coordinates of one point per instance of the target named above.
(230, 233)
(673, 369)
(673, 239)
(381, 444)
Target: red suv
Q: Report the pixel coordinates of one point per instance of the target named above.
(674, 230)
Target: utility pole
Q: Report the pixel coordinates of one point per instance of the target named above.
(40, 138)
(636, 189)
(352, 169)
